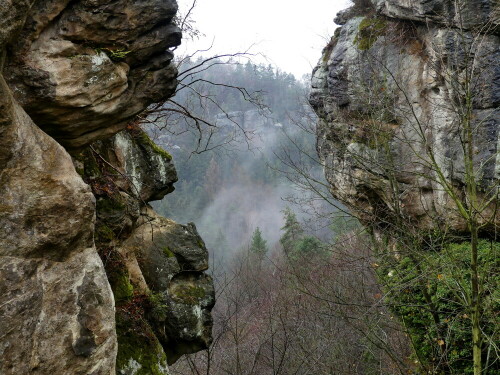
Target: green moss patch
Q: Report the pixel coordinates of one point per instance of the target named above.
(103, 233)
(188, 294)
(157, 306)
(138, 348)
(118, 275)
(169, 253)
(369, 30)
(110, 204)
(122, 288)
(144, 139)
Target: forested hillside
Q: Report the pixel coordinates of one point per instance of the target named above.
(343, 223)
(258, 119)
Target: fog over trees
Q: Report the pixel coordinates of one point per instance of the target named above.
(238, 184)
(296, 289)
(302, 287)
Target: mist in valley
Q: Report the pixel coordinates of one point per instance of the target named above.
(244, 181)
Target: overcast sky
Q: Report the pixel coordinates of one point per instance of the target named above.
(290, 33)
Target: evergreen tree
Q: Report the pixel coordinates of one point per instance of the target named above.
(308, 246)
(293, 231)
(259, 244)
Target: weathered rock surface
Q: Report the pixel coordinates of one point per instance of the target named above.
(465, 14)
(84, 68)
(56, 306)
(386, 91)
(76, 297)
(155, 266)
(172, 258)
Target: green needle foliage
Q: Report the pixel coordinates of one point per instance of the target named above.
(259, 244)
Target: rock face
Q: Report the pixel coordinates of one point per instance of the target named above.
(172, 258)
(92, 280)
(387, 91)
(84, 68)
(464, 14)
(57, 313)
(154, 265)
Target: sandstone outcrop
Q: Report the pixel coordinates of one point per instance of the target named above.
(56, 306)
(154, 265)
(386, 91)
(85, 68)
(84, 290)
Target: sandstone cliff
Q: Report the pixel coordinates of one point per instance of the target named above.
(392, 90)
(93, 281)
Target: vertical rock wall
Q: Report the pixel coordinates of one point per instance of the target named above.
(79, 258)
(56, 306)
(387, 92)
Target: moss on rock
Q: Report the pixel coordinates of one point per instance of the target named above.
(188, 294)
(169, 253)
(139, 351)
(144, 139)
(110, 204)
(123, 289)
(369, 30)
(104, 234)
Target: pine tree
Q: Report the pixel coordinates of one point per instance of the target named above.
(259, 244)
(293, 231)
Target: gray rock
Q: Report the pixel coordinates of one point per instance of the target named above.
(154, 264)
(474, 12)
(385, 92)
(170, 259)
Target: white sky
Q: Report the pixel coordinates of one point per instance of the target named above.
(290, 33)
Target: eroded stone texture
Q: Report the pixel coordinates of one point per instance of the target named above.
(385, 92)
(463, 13)
(11, 18)
(80, 70)
(84, 68)
(172, 258)
(56, 306)
(155, 266)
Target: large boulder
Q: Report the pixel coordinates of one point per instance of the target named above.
(171, 258)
